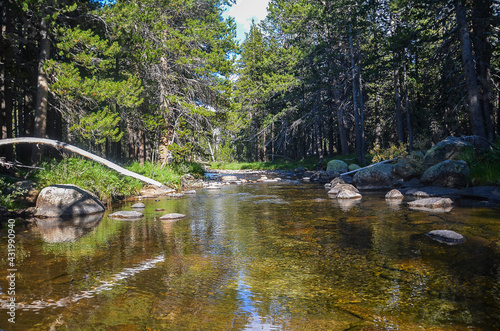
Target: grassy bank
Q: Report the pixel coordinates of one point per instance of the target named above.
(106, 183)
(310, 163)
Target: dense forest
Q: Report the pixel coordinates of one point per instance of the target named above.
(161, 80)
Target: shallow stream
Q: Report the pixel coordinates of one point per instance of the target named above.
(266, 256)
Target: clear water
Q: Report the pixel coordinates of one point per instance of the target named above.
(267, 256)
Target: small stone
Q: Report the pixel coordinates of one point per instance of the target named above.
(191, 192)
(337, 188)
(126, 214)
(159, 209)
(175, 195)
(394, 194)
(348, 194)
(228, 179)
(138, 205)
(446, 236)
(432, 203)
(171, 217)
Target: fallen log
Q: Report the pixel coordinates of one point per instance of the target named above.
(76, 150)
(371, 165)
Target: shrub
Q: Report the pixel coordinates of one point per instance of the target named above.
(393, 151)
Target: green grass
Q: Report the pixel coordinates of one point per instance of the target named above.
(106, 183)
(310, 163)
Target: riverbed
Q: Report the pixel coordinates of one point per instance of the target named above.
(263, 256)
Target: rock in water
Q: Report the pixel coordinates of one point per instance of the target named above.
(339, 187)
(65, 201)
(348, 194)
(172, 217)
(138, 205)
(378, 177)
(432, 203)
(447, 237)
(127, 214)
(394, 194)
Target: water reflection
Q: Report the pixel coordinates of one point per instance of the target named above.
(347, 204)
(57, 230)
(241, 261)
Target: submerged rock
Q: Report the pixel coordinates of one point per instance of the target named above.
(126, 214)
(446, 237)
(66, 200)
(172, 216)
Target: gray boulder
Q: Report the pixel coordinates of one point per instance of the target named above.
(353, 166)
(337, 166)
(447, 173)
(451, 148)
(138, 205)
(65, 201)
(408, 168)
(378, 177)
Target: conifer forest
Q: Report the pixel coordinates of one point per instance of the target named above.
(159, 80)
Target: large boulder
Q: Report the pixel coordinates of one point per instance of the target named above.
(408, 168)
(66, 201)
(337, 166)
(451, 148)
(447, 173)
(378, 177)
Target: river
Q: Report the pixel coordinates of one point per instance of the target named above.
(263, 256)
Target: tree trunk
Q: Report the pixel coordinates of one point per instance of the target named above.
(481, 28)
(475, 111)
(74, 149)
(343, 133)
(6, 97)
(361, 114)
(42, 94)
(357, 125)
(407, 106)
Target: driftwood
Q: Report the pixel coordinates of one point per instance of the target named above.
(371, 165)
(74, 149)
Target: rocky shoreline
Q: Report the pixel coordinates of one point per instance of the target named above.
(439, 175)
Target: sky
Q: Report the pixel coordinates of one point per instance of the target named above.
(243, 12)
